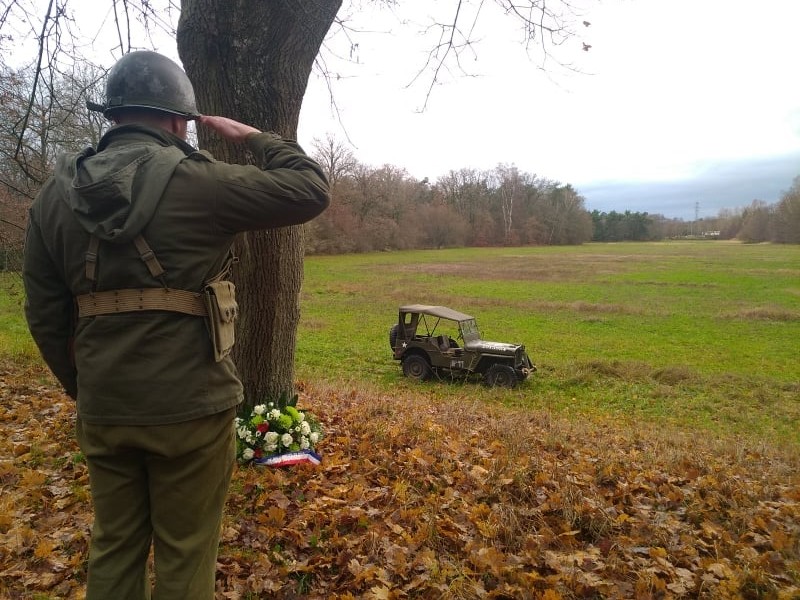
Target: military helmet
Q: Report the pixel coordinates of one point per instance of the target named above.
(146, 79)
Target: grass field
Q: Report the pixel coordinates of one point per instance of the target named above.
(701, 335)
(653, 455)
(698, 335)
(15, 341)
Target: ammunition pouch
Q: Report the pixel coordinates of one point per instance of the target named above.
(222, 309)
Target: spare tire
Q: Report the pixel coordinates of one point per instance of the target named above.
(393, 336)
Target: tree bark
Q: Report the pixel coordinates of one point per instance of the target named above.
(250, 60)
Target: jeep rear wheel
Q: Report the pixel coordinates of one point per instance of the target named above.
(501, 376)
(416, 367)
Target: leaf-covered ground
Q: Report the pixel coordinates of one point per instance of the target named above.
(428, 499)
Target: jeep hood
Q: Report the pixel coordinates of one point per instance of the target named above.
(493, 347)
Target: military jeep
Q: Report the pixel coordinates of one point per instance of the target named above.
(439, 341)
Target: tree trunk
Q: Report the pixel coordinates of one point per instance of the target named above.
(250, 60)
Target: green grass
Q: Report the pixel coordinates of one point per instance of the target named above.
(15, 341)
(696, 335)
(699, 335)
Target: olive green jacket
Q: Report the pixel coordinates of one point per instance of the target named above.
(150, 367)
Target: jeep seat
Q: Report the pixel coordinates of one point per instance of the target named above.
(443, 342)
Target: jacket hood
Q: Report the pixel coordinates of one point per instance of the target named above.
(114, 191)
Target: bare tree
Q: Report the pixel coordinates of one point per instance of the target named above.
(756, 220)
(13, 215)
(787, 216)
(465, 190)
(508, 184)
(565, 205)
(440, 226)
(33, 130)
(335, 157)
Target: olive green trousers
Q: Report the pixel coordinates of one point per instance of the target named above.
(163, 486)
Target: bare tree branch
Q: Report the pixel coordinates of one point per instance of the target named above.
(122, 45)
(442, 50)
(45, 23)
(329, 76)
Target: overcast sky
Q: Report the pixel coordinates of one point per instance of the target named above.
(681, 106)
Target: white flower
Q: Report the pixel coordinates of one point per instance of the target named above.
(259, 409)
(286, 439)
(242, 432)
(301, 416)
(314, 437)
(248, 453)
(305, 428)
(274, 414)
(304, 443)
(250, 439)
(271, 447)
(271, 438)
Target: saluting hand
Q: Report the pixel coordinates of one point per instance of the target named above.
(231, 130)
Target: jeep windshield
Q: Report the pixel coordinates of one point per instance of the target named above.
(469, 330)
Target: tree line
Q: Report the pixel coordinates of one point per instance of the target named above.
(374, 208)
(758, 222)
(384, 208)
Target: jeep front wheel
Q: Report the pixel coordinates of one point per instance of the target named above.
(501, 376)
(416, 367)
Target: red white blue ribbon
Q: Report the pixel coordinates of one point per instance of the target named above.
(289, 459)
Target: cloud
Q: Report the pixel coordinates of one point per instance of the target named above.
(731, 184)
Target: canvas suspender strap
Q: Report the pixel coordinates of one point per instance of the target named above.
(91, 258)
(145, 253)
(132, 300)
(149, 258)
